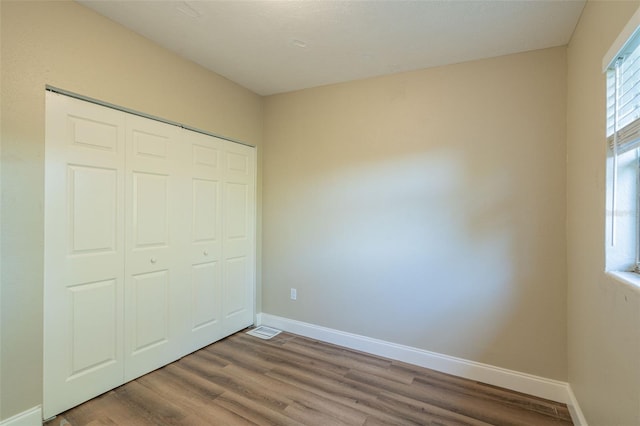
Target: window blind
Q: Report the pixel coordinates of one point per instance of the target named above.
(623, 99)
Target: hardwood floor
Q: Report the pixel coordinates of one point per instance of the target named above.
(292, 380)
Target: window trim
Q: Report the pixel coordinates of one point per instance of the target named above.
(628, 34)
(621, 142)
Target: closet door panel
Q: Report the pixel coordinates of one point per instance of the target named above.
(153, 272)
(150, 211)
(84, 252)
(93, 307)
(206, 297)
(238, 237)
(205, 210)
(92, 206)
(152, 312)
(205, 243)
(236, 286)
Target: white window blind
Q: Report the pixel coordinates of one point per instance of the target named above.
(623, 99)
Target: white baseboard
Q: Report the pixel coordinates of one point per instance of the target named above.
(574, 409)
(31, 417)
(521, 382)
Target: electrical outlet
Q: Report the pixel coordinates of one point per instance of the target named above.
(294, 294)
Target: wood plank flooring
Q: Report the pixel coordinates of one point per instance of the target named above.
(292, 380)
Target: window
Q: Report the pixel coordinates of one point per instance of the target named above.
(623, 160)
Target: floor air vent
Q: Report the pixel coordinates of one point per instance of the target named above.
(263, 332)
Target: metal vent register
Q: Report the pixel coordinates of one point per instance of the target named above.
(263, 332)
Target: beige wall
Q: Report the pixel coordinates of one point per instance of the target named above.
(603, 315)
(68, 46)
(425, 208)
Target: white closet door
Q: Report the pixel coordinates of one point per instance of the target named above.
(84, 252)
(154, 274)
(238, 233)
(149, 246)
(205, 232)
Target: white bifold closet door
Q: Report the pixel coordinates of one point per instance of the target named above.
(154, 225)
(238, 217)
(221, 238)
(149, 246)
(205, 239)
(84, 252)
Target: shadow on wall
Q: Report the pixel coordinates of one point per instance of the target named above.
(421, 250)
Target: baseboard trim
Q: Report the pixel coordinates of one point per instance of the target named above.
(574, 409)
(521, 382)
(31, 417)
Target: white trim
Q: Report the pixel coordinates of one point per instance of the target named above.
(625, 35)
(574, 409)
(31, 417)
(629, 279)
(521, 382)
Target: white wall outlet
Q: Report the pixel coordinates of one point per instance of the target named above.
(294, 294)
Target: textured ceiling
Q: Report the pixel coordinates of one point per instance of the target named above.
(279, 46)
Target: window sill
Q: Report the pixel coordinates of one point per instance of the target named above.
(631, 279)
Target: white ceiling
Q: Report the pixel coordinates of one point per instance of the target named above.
(279, 46)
